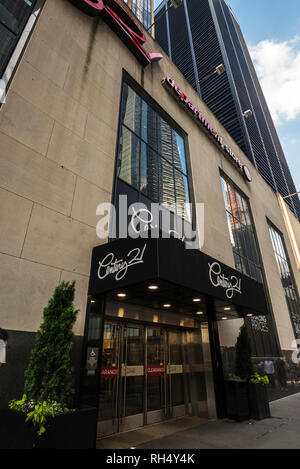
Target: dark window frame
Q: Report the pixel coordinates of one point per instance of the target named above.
(291, 273)
(8, 69)
(258, 267)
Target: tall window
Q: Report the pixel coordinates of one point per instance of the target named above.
(288, 284)
(241, 231)
(152, 155)
(13, 16)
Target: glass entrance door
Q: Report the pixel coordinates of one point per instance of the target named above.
(132, 378)
(156, 375)
(144, 378)
(175, 377)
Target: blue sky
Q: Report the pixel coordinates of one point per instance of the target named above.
(272, 32)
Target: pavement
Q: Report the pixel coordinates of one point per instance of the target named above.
(281, 431)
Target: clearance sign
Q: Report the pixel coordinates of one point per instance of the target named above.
(122, 24)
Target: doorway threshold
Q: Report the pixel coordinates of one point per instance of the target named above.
(133, 438)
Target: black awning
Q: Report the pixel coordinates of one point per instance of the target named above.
(128, 262)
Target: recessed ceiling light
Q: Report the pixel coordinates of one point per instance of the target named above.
(166, 305)
(227, 308)
(196, 300)
(224, 317)
(121, 295)
(93, 301)
(199, 312)
(249, 315)
(153, 287)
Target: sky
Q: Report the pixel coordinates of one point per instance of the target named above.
(271, 29)
(272, 32)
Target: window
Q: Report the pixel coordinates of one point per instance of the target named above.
(14, 14)
(286, 276)
(151, 155)
(241, 231)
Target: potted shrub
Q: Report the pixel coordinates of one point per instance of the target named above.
(258, 397)
(44, 417)
(237, 402)
(246, 392)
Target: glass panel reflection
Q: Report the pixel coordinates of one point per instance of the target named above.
(178, 152)
(6, 42)
(13, 13)
(241, 231)
(133, 371)
(176, 368)
(167, 189)
(131, 109)
(109, 372)
(164, 140)
(128, 161)
(150, 150)
(182, 195)
(149, 173)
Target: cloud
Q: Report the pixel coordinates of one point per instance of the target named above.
(278, 68)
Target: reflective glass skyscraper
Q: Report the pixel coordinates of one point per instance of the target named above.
(200, 35)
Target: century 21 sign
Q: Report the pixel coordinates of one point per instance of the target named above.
(122, 24)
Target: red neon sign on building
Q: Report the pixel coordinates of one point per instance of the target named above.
(122, 24)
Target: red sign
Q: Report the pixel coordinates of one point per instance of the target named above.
(109, 372)
(122, 24)
(155, 370)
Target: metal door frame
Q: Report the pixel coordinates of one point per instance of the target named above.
(120, 422)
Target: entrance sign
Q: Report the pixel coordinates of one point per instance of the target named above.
(122, 24)
(218, 279)
(170, 84)
(110, 265)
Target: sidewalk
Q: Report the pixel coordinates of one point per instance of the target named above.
(282, 431)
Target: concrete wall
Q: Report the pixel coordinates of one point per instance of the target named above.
(58, 132)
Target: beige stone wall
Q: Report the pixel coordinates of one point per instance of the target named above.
(58, 133)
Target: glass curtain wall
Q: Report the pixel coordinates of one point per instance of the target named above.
(152, 156)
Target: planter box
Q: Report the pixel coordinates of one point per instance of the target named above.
(259, 401)
(74, 430)
(237, 401)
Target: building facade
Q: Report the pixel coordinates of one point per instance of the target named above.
(90, 126)
(199, 36)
